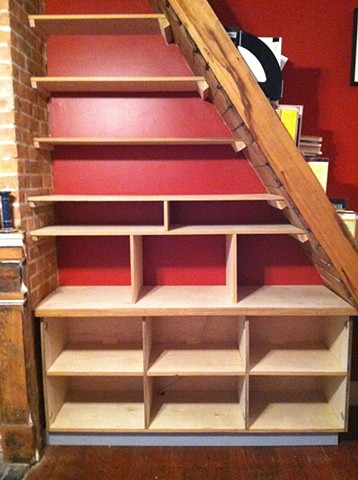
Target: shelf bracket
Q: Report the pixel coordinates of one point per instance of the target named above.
(279, 204)
(204, 89)
(166, 30)
(238, 145)
(301, 237)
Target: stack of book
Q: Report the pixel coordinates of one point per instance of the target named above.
(310, 146)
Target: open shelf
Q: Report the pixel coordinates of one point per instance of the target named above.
(297, 404)
(140, 230)
(97, 359)
(217, 405)
(92, 347)
(154, 198)
(198, 346)
(220, 359)
(95, 404)
(236, 143)
(274, 300)
(48, 85)
(298, 346)
(139, 24)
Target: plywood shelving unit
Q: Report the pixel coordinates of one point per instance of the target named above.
(189, 358)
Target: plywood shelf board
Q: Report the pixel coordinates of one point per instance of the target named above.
(154, 198)
(215, 359)
(139, 24)
(309, 413)
(93, 301)
(49, 85)
(98, 359)
(100, 412)
(236, 143)
(293, 360)
(197, 411)
(126, 230)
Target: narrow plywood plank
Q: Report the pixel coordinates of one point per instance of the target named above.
(231, 266)
(301, 300)
(197, 410)
(138, 230)
(139, 24)
(52, 141)
(98, 359)
(154, 198)
(136, 260)
(48, 85)
(293, 360)
(219, 359)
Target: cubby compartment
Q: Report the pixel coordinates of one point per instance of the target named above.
(189, 404)
(92, 346)
(94, 404)
(199, 346)
(296, 403)
(312, 345)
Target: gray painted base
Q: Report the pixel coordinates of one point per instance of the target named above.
(193, 440)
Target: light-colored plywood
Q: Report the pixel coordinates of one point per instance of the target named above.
(48, 85)
(141, 141)
(166, 215)
(294, 404)
(293, 360)
(54, 337)
(215, 359)
(197, 411)
(139, 24)
(308, 414)
(193, 300)
(98, 360)
(55, 394)
(136, 260)
(126, 230)
(100, 412)
(246, 197)
(231, 266)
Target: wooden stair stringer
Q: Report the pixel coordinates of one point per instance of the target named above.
(270, 150)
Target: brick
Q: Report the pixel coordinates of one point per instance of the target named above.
(9, 182)
(8, 151)
(7, 133)
(6, 70)
(7, 117)
(8, 166)
(4, 4)
(4, 19)
(5, 53)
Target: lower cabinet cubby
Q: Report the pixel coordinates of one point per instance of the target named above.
(313, 345)
(95, 404)
(196, 373)
(195, 346)
(294, 403)
(193, 404)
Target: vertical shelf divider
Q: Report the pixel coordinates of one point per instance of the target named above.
(245, 346)
(136, 260)
(231, 266)
(148, 382)
(166, 213)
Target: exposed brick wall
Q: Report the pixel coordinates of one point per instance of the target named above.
(23, 114)
(26, 171)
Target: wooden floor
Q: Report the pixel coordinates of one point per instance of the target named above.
(203, 463)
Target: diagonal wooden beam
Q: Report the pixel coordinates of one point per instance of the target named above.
(274, 156)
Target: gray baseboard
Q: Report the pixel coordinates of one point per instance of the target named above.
(191, 440)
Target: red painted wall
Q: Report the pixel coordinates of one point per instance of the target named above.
(317, 39)
(317, 76)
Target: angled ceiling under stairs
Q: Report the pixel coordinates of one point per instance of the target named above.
(269, 148)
